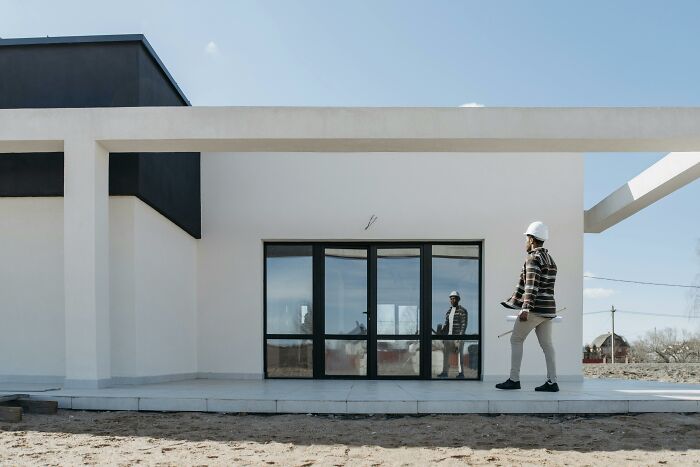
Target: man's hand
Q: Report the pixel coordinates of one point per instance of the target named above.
(523, 315)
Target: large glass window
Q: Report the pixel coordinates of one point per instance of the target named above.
(455, 268)
(346, 291)
(398, 358)
(398, 311)
(289, 310)
(455, 359)
(291, 358)
(372, 310)
(398, 291)
(346, 357)
(289, 289)
(455, 326)
(346, 311)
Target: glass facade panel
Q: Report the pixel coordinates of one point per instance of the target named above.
(289, 270)
(346, 357)
(398, 291)
(290, 358)
(452, 357)
(346, 291)
(398, 358)
(455, 268)
(349, 275)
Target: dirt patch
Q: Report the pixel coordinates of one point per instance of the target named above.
(129, 438)
(668, 372)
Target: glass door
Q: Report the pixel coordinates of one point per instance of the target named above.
(346, 311)
(396, 331)
(373, 310)
(455, 326)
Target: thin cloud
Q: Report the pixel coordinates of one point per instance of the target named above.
(597, 292)
(211, 48)
(472, 104)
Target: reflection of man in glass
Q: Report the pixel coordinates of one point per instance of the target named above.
(455, 325)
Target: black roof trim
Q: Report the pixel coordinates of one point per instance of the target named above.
(97, 39)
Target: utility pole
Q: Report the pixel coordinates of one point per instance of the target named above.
(612, 339)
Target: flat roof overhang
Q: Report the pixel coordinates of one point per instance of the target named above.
(426, 129)
(290, 129)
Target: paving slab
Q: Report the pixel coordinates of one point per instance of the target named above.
(382, 407)
(677, 406)
(385, 396)
(521, 406)
(452, 406)
(312, 406)
(105, 403)
(172, 404)
(242, 405)
(594, 406)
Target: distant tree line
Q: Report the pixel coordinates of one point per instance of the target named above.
(666, 346)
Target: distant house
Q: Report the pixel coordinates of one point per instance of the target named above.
(600, 350)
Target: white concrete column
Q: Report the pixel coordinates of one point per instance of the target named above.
(86, 263)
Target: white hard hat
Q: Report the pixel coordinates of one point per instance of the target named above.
(538, 230)
(454, 293)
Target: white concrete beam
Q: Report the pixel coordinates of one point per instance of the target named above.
(86, 263)
(232, 129)
(663, 178)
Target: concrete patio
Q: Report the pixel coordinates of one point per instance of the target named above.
(372, 397)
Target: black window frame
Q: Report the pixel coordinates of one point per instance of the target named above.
(425, 336)
(276, 336)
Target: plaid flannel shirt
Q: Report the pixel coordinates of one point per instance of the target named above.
(535, 290)
(459, 322)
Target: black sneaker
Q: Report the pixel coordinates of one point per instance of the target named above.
(508, 384)
(548, 386)
(442, 375)
(460, 376)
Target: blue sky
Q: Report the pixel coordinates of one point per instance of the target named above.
(448, 53)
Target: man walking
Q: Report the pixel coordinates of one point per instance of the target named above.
(534, 297)
(455, 325)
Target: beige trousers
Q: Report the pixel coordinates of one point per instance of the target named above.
(543, 330)
(450, 348)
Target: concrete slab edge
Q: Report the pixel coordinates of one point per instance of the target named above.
(219, 405)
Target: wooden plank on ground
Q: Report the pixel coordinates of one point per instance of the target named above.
(10, 414)
(11, 397)
(35, 406)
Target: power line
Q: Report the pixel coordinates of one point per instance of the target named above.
(642, 313)
(641, 282)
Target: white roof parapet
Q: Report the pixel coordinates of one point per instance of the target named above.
(674, 171)
(333, 129)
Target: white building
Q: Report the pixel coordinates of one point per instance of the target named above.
(327, 242)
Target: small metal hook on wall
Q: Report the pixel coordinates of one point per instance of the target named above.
(372, 220)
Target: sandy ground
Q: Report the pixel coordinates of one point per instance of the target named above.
(128, 438)
(669, 372)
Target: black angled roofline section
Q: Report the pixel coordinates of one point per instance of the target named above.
(100, 39)
(98, 71)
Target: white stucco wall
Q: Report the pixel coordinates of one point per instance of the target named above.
(248, 198)
(180, 306)
(122, 277)
(32, 346)
(152, 292)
